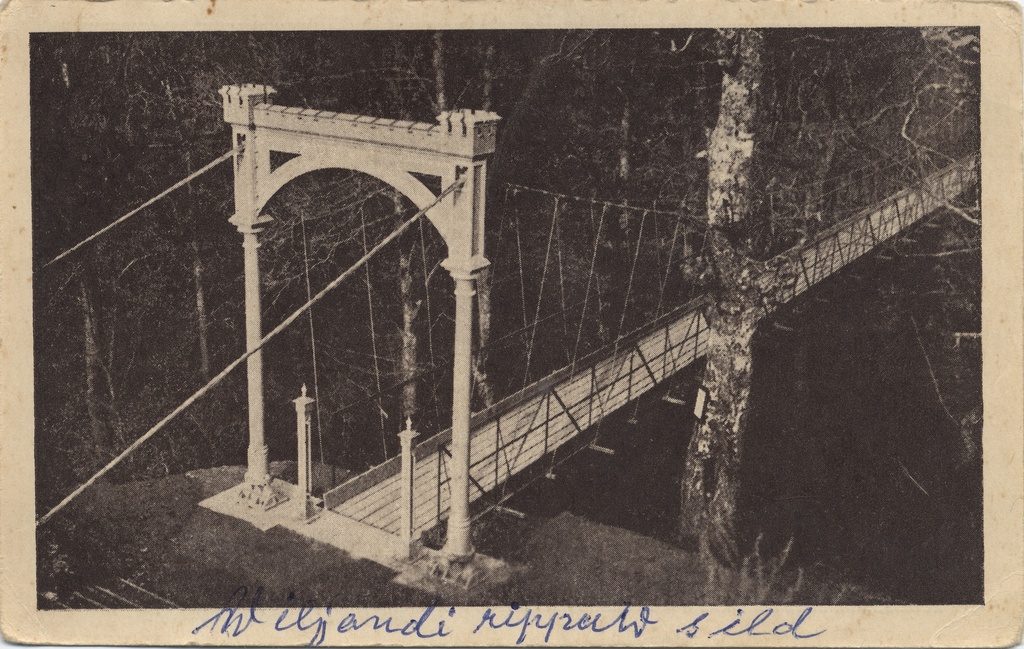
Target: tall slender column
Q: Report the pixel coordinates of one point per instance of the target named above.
(460, 542)
(252, 164)
(256, 489)
(258, 471)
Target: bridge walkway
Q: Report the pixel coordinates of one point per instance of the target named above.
(520, 430)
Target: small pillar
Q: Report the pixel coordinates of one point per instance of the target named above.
(407, 437)
(303, 427)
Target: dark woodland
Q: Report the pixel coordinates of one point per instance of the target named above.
(840, 458)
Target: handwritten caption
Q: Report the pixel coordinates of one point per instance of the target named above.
(316, 625)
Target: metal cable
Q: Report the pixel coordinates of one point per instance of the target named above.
(373, 341)
(312, 340)
(540, 295)
(241, 359)
(178, 185)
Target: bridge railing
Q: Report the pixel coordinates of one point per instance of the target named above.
(519, 430)
(536, 421)
(855, 236)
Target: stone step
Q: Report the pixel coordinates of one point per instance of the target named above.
(358, 539)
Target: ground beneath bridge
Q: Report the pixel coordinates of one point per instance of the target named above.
(851, 453)
(154, 534)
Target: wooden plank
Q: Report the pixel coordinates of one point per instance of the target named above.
(369, 498)
(360, 483)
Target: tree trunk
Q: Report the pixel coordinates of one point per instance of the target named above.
(711, 474)
(624, 161)
(488, 76)
(440, 101)
(612, 258)
(93, 368)
(731, 142)
(710, 482)
(483, 303)
(197, 277)
(409, 310)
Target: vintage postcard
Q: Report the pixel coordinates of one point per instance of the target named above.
(511, 323)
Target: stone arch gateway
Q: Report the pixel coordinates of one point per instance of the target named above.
(455, 148)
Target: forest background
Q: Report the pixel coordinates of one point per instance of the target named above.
(128, 328)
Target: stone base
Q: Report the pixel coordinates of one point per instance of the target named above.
(437, 572)
(330, 528)
(261, 496)
(414, 565)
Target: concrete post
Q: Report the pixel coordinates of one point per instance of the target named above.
(465, 241)
(251, 164)
(303, 428)
(258, 472)
(407, 438)
(460, 543)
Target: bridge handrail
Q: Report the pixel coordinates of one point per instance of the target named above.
(831, 230)
(430, 446)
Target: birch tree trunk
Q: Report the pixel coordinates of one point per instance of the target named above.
(201, 326)
(731, 142)
(409, 364)
(484, 392)
(624, 160)
(409, 310)
(440, 101)
(711, 478)
(93, 368)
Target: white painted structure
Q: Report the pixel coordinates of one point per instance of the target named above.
(455, 148)
(520, 430)
(381, 513)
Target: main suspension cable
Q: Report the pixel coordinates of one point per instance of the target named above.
(178, 185)
(241, 359)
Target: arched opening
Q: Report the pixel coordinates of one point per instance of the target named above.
(320, 158)
(362, 332)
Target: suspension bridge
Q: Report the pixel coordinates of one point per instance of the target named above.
(593, 337)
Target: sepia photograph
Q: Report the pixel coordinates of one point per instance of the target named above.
(482, 323)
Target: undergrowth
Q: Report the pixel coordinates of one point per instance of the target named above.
(759, 579)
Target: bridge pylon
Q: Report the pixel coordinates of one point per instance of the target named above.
(455, 149)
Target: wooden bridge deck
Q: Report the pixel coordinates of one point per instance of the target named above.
(520, 430)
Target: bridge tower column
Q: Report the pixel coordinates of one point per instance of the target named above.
(465, 240)
(460, 544)
(252, 165)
